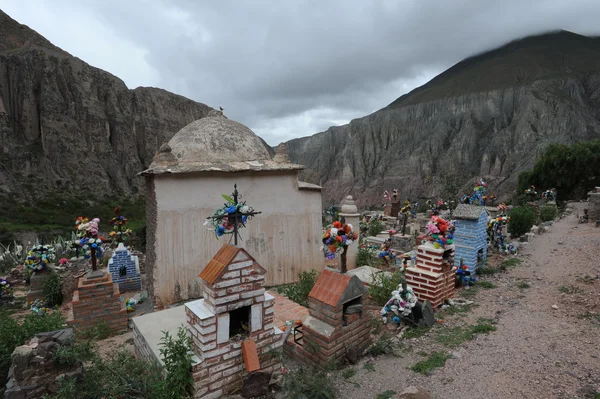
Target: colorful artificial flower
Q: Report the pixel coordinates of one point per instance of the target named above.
(338, 236)
(39, 256)
(120, 232)
(440, 232)
(5, 288)
(87, 237)
(224, 219)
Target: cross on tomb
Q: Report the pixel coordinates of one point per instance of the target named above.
(238, 218)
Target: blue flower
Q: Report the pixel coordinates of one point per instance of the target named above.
(230, 209)
(220, 231)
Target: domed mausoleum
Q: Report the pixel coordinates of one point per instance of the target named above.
(184, 185)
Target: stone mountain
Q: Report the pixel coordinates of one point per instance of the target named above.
(65, 124)
(488, 116)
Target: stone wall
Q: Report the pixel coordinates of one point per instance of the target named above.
(594, 205)
(98, 301)
(33, 373)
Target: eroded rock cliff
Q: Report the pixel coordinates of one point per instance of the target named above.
(487, 116)
(65, 124)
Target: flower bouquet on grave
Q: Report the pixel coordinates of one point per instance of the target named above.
(503, 209)
(478, 197)
(464, 277)
(88, 239)
(39, 256)
(386, 196)
(336, 237)
(120, 232)
(5, 288)
(387, 254)
(531, 192)
(39, 306)
(225, 218)
(440, 232)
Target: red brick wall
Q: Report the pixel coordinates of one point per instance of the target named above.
(222, 369)
(431, 279)
(97, 301)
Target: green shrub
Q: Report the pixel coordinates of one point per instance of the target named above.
(124, 376)
(367, 257)
(547, 213)
(177, 357)
(383, 285)
(52, 290)
(522, 219)
(13, 334)
(435, 360)
(75, 353)
(304, 384)
(298, 292)
(375, 227)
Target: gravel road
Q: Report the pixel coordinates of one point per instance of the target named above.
(538, 351)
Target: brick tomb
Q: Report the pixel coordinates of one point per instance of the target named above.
(97, 300)
(232, 326)
(125, 269)
(336, 320)
(470, 235)
(432, 277)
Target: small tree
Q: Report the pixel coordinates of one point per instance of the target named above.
(522, 219)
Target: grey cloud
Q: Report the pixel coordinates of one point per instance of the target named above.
(286, 67)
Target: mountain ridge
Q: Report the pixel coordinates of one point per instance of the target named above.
(460, 126)
(70, 126)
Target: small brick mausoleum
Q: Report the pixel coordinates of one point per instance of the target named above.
(336, 323)
(470, 235)
(97, 300)
(432, 277)
(232, 326)
(125, 269)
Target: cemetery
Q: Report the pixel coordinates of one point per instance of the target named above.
(241, 279)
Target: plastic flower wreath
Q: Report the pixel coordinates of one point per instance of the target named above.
(87, 236)
(531, 191)
(39, 256)
(120, 232)
(5, 288)
(223, 221)
(336, 237)
(440, 232)
(464, 275)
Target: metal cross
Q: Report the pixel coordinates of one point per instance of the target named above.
(236, 218)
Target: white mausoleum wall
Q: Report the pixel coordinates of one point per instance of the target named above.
(284, 239)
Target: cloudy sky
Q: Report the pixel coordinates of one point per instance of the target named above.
(290, 68)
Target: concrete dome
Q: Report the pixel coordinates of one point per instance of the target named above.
(216, 139)
(216, 144)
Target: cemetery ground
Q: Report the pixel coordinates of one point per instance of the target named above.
(532, 330)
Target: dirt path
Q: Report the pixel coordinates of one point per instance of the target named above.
(536, 351)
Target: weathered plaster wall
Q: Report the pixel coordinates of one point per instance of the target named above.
(284, 239)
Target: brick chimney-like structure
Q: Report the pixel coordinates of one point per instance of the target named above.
(432, 278)
(232, 326)
(337, 321)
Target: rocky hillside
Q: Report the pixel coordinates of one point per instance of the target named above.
(487, 116)
(65, 124)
